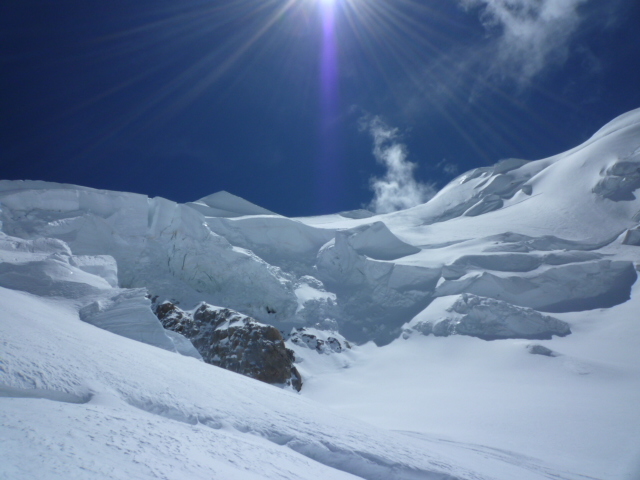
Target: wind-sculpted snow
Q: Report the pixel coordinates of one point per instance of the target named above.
(485, 318)
(479, 191)
(357, 214)
(50, 277)
(103, 266)
(377, 242)
(513, 262)
(128, 313)
(566, 288)
(622, 122)
(513, 242)
(147, 413)
(225, 204)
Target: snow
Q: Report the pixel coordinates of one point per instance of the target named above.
(157, 244)
(584, 286)
(493, 330)
(53, 276)
(225, 204)
(578, 410)
(484, 318)
(280, 241)
(108, 407)
(128, 313)
(376, 241)
(310, 291)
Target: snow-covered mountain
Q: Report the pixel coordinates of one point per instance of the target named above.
(490, 333)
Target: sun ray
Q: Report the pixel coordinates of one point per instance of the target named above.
(329, 176)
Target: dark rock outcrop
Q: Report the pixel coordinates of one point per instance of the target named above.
(234, 341)
(541, 350)
(330, 344)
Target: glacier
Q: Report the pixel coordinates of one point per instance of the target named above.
(413, 331)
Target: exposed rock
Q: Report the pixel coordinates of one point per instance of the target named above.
(321, 342)
(485, 318)
(234, 341)
(540, 350)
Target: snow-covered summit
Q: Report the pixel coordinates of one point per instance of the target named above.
(564, 195)
(225, 204)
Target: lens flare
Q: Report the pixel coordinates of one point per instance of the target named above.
(187, 51)
(329, 175)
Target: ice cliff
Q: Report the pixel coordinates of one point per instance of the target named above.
(553, 235)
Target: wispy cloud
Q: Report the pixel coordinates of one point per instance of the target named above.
(397, 189)
(448, 168)
(531, 35)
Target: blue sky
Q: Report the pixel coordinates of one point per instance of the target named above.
(304, 106)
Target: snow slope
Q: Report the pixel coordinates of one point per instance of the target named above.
(493, 330)
(80, 402)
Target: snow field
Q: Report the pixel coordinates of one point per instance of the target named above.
(149, 413)
(578, 410)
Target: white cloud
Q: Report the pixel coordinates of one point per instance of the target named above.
(532, 34)
(447, 167)
(397, 189)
